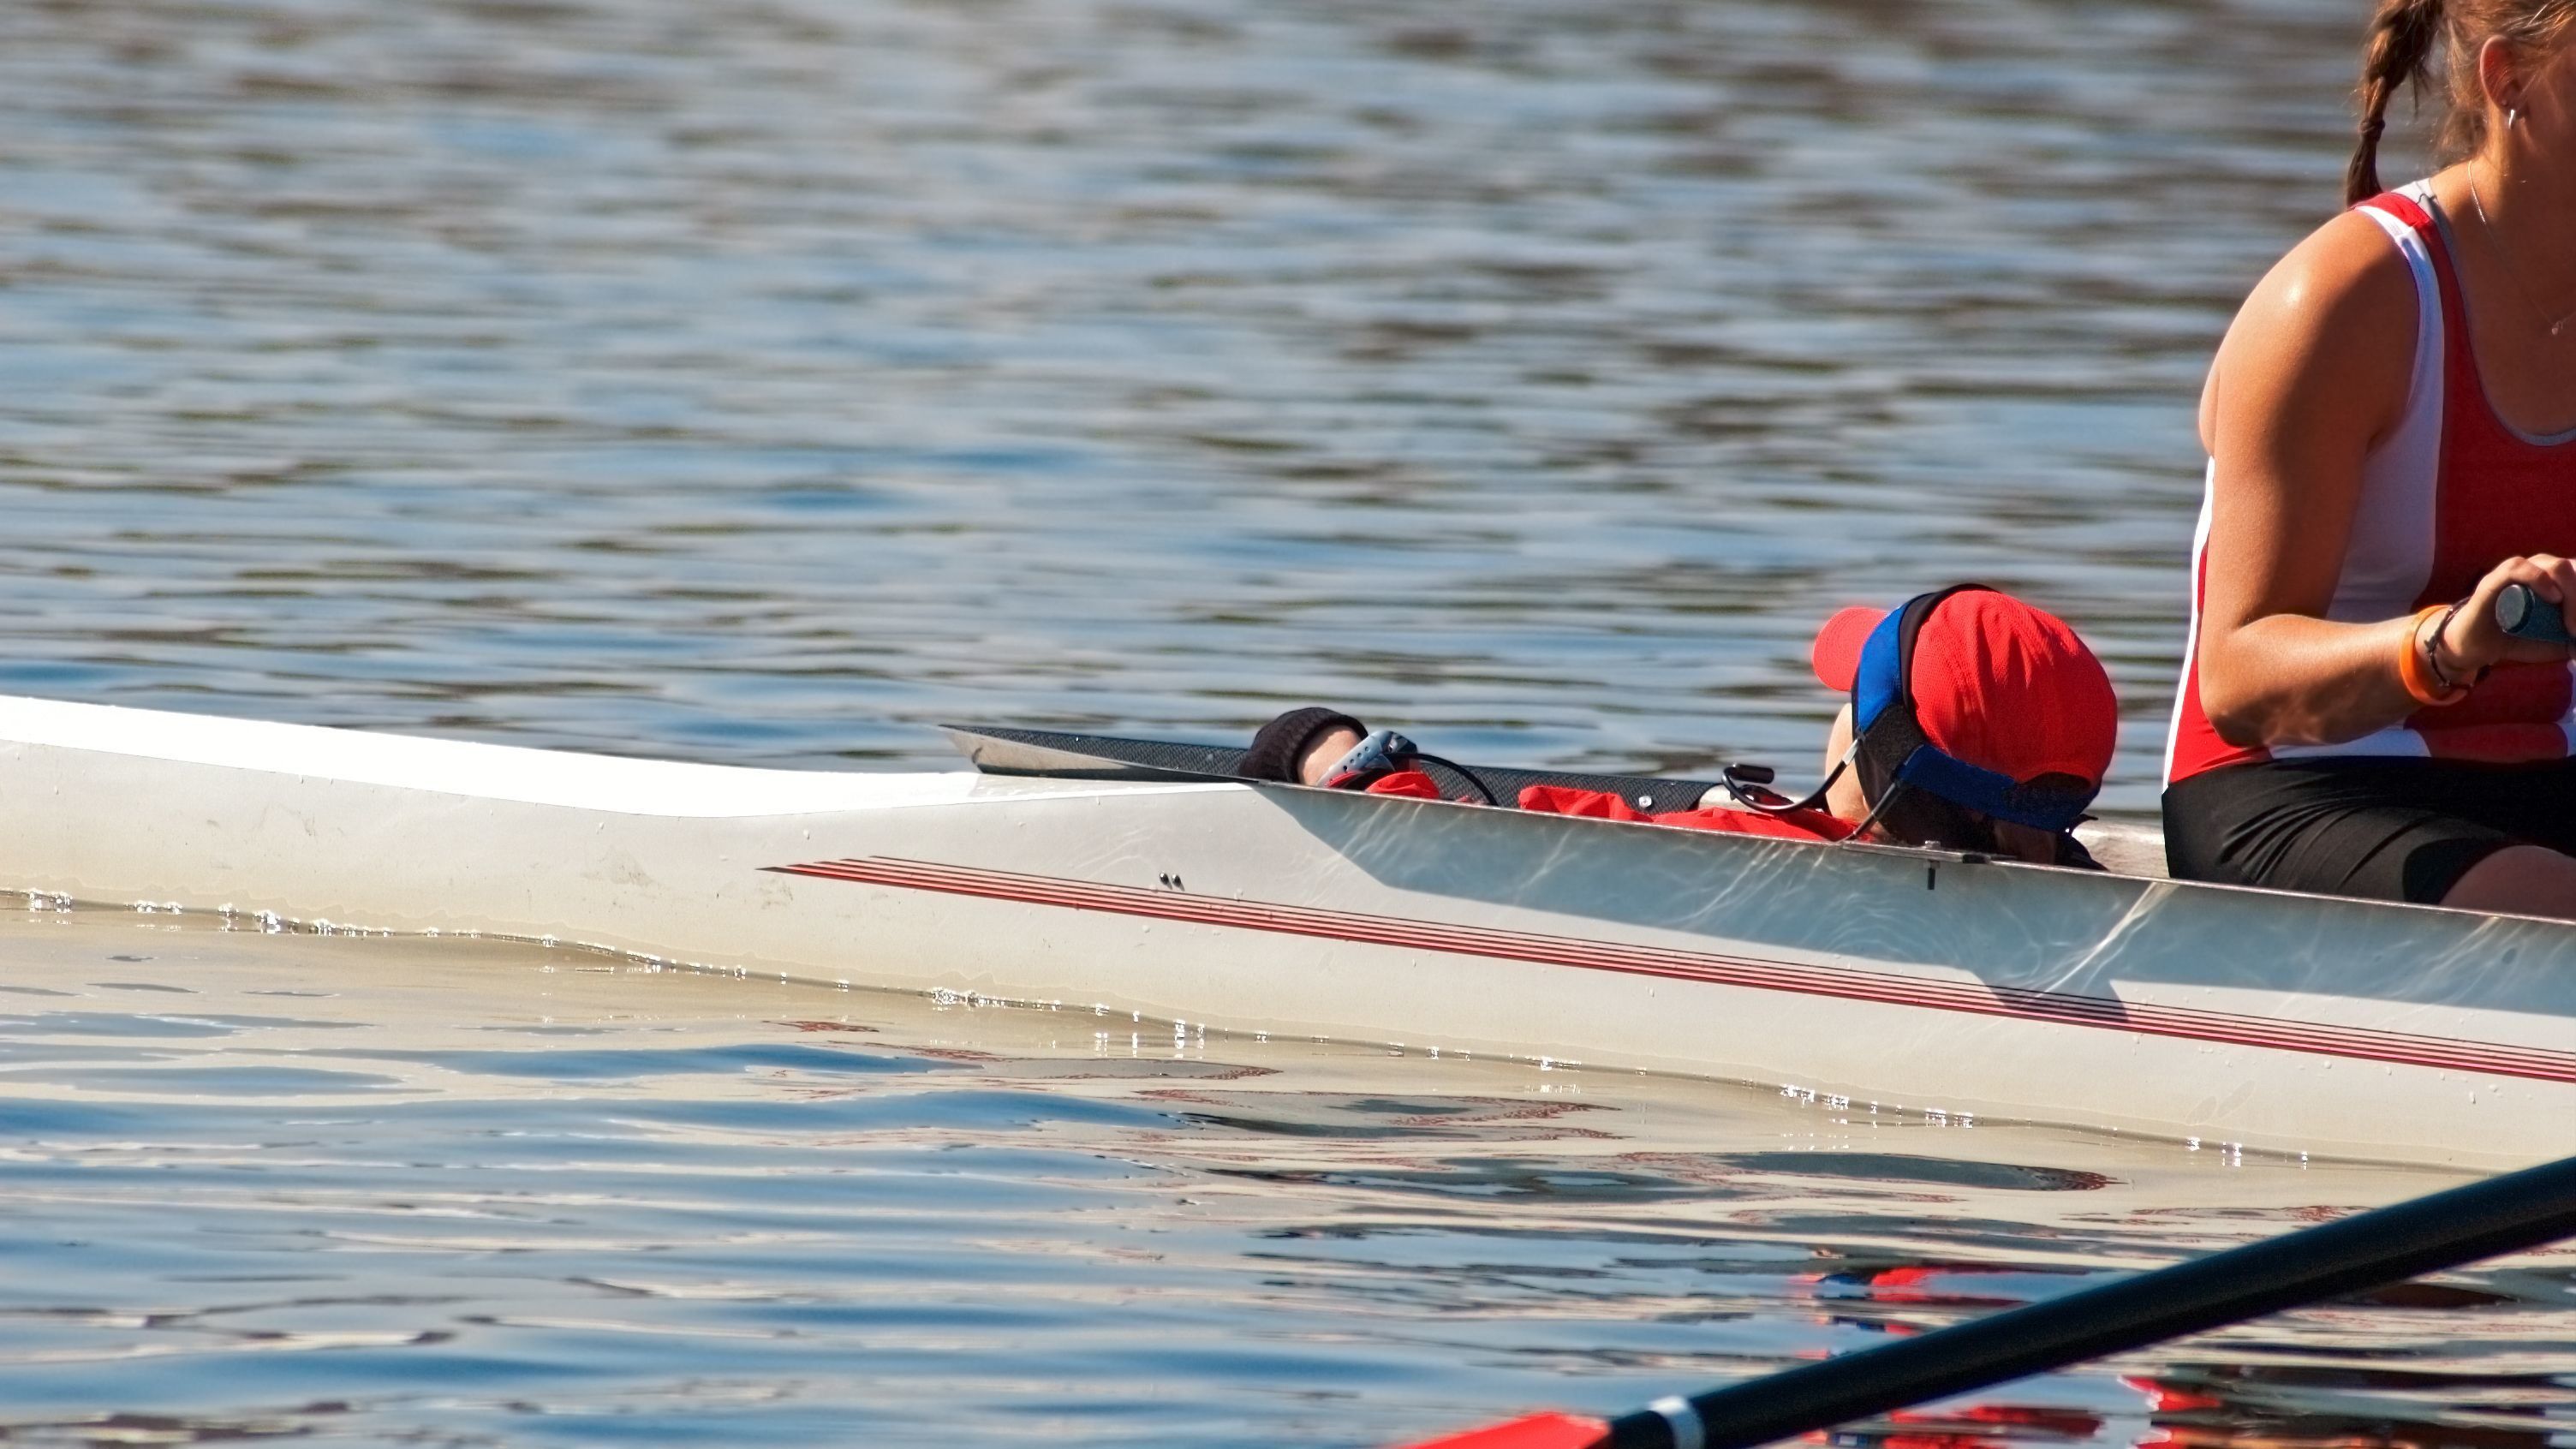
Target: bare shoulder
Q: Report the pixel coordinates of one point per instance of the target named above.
(2345, 272)
(2335, 318)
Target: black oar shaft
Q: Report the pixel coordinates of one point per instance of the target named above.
(2499, 1215)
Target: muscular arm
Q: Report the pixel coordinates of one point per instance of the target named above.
(2313, 373)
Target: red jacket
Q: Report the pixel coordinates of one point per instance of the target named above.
(1602, 805)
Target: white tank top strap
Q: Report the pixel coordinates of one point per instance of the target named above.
(2390, 555)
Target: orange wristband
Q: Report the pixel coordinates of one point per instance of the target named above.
(2416, 672)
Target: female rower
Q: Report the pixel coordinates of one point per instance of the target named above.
(1982, 724)
(2391, 426)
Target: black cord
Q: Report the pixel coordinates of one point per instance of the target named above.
(1743, 790)
(1462, 772)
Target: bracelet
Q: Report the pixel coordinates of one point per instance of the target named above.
(2433, 651)
(2415, 664)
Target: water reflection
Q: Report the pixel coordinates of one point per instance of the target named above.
(471, 1192)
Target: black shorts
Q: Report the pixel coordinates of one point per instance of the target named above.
(2381, 829)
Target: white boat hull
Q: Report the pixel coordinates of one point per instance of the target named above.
(1908, 981)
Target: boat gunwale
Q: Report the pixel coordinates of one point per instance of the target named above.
(537, 775)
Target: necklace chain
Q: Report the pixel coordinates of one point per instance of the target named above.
(2496, 240)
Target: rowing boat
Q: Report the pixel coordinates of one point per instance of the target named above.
(1131, 882)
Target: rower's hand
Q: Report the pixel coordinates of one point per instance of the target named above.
(2473, 640)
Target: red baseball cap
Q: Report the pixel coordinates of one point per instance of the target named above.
(1997, 683)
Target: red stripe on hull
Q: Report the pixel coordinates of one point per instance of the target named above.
(1749, 972)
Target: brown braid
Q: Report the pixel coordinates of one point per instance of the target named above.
(2401, 46)
(2403, 36)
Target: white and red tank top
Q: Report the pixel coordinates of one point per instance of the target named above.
(2450, 493)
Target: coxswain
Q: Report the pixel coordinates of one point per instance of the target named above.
(1971, 720)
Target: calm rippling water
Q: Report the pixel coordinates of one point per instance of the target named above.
(762, 381)
(373, 1191)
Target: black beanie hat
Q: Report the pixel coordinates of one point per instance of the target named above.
(1280, 744)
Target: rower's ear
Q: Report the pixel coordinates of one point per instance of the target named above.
(2499, 73)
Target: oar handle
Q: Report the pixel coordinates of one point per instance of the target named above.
(2523, 613)
(2499, 1215)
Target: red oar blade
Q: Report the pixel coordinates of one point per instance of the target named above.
(1538, 1431)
